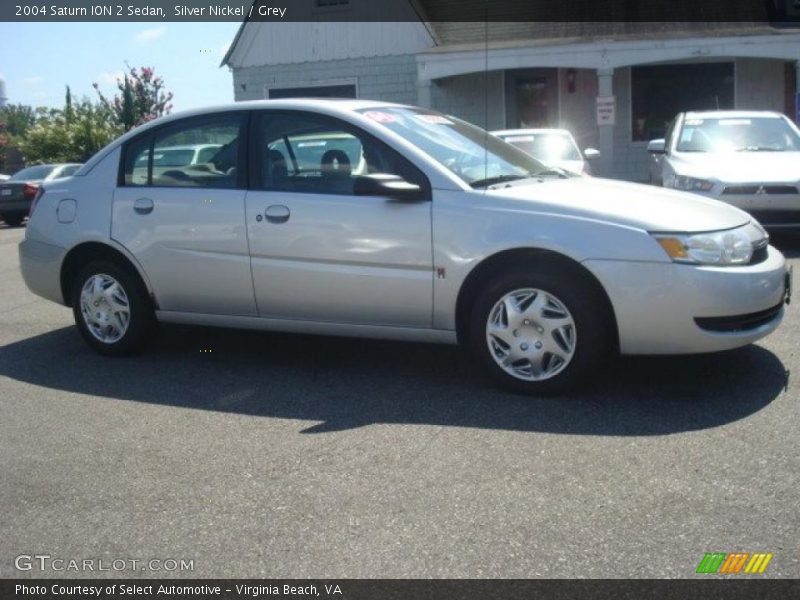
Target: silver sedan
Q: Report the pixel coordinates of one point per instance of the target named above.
(748, 159)
(352, 217)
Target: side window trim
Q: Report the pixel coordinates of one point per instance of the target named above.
(257, 148)
(123, 159)
(242, 177)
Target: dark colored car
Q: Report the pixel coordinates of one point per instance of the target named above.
(18, 191)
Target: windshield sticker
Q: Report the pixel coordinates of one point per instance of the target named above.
(734, 122)
(435, 119)
(694, 121)
(518, 138)
(380, 117)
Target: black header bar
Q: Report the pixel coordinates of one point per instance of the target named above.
(402, 589)
(777, 12)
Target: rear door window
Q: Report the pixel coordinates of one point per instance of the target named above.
(199, 152)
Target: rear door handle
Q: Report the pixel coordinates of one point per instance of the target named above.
(143, 206)
(277, 213)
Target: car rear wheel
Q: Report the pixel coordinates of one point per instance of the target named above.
(13, 219)
(541, 330)
(111, 308)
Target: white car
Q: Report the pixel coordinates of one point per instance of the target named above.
(354, 217)
(750, 159)
(556, 147)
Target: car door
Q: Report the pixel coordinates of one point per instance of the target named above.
(185, 222)
(319, 252)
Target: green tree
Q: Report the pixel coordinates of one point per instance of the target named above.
(141, 98)
(68, 112)
(15, 120)
(73, 134)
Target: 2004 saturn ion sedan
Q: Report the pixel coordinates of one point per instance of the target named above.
(361, 218)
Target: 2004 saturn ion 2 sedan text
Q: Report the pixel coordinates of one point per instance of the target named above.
(351, 217)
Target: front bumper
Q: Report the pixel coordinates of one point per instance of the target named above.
(771, 210)
(40, 264)
(657, 304)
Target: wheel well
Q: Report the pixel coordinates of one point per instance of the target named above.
(495, 264)
(83, 254)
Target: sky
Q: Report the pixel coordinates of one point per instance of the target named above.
(38, 60)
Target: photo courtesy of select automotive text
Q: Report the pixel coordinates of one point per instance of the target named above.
(399, 299)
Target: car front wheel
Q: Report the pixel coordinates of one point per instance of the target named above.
(541, 331)
(111, 308)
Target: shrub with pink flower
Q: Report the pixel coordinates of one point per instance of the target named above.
(141, 98)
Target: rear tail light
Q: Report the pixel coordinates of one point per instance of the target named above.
(38, 193)
(29, 191)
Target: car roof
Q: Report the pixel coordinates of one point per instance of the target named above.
(47, 166)
(189, 147)
(51, 166)
(531, 131)
(732, 114)
(346, 104)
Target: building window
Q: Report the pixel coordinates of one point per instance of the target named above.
(659, 92)
(321, 91)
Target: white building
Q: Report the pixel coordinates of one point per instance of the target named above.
(502, 75)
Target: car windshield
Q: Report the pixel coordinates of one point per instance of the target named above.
(734, 134)
(32, 173)
(474, 155)
(546, 146)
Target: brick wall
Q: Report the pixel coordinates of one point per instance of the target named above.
(477, 98)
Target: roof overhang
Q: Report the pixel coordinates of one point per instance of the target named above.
(449, 61)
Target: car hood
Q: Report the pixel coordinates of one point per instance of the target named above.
(631, 204)
(739, 167)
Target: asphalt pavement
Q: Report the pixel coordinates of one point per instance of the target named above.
(253, 454)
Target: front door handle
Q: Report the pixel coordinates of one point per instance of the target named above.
(277, 213)
(143, 206)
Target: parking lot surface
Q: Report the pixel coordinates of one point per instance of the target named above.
(267, 455)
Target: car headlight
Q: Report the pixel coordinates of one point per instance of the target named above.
(731, 247)
(692, 184)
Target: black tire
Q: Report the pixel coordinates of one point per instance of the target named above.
(595, 339)
(142, 318)
(13, 219)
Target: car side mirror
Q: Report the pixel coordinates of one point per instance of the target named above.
(387, 185)
(591, 153)
(656, 146)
